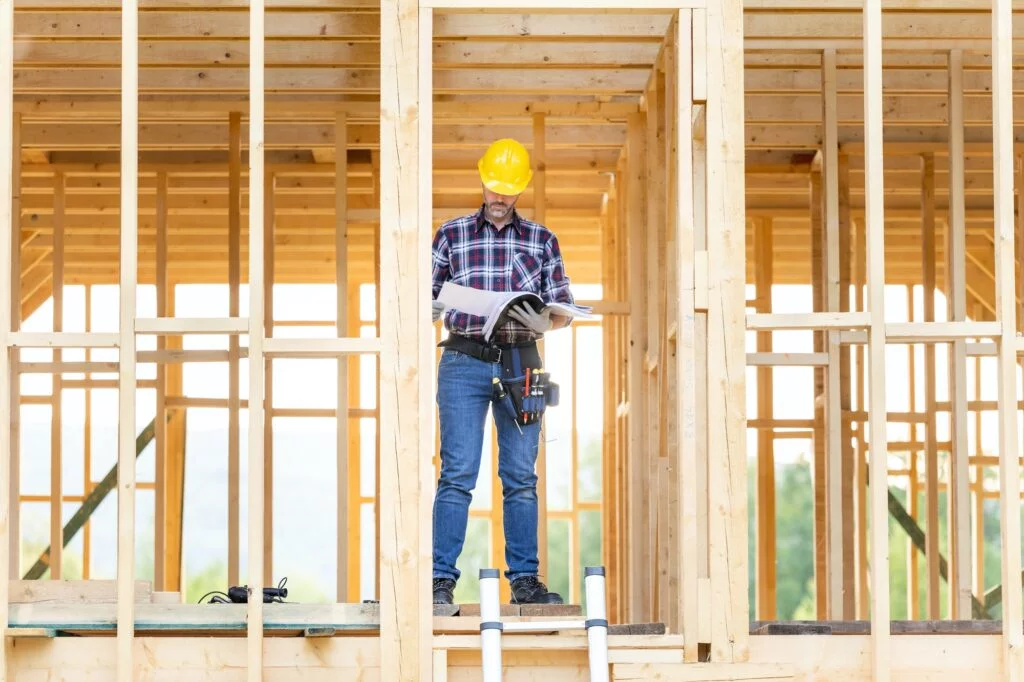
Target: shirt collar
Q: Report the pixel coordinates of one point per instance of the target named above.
(480, 220)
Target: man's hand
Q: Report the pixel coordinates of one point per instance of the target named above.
(536, 322)
(436, 310)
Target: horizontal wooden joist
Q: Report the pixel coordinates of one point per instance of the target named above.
(585, 182)
(459, 54)
(291, 135)
(334, 80)
(317, 108)
(199, 22)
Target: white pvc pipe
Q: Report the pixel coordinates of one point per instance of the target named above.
(597, 623)
(543, 626)
(490, 614)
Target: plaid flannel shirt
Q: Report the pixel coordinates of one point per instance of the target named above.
(522, 256)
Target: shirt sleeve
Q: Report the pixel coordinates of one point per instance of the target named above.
(555, 284)
(441, 263)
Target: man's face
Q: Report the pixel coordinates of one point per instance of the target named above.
(498, 206)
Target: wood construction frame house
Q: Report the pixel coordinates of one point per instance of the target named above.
(691, 155)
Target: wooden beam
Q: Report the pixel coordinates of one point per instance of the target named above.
(160, 435)
(126, 325)
(639, 592)
(931, 452)
(725, 205)
(234, 367)
(341, 424)
(406, 351)
(875, 225)
(540, 211)
(832, 403)
(16, 315)
(686, 341)
(766, 521)
(269, 272)
(821, 525)
(10, 239)
(1009, 465)
(56, 494)
(848, 464)
(257, 304)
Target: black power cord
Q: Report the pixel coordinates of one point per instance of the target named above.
(240, 594)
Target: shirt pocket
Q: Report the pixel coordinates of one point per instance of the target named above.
(526, 272)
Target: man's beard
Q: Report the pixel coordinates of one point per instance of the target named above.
(498, 210)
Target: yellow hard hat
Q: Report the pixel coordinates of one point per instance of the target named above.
(505, 167)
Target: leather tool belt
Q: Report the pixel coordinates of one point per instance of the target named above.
(524, 387)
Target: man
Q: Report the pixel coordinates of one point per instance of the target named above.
(497, 250)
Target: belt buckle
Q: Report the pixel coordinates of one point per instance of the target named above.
(499, 355)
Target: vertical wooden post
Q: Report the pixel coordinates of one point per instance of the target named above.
(56, 497)
(931, 453)
(257, 407)
(833, 402)
(639, 591)
(959, 503)
(341, 285)
(978, 519)
(727, 480)
(234, 368)
(848, 466)
(268, 378)
(1006, 313)
(160, 436)
(353, 527)
(653, 248)
(686, 341)
(540, 204)
(87, 484)
(406, 360)
(10, 239)
(126, 357)
(766, 543)
(819, 441)
(14, 406)
(863, 587)
(874, 215)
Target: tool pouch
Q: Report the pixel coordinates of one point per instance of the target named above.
(528, 387)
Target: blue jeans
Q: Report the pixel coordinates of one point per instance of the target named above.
(464, 392)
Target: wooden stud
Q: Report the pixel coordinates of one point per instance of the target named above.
(848, 466)
(405, 332)
(56, 492)
(639, 592)
(160, 430)
(9, 237)
(126, 354)
(540, 215)
(832, 403)
(269, 200)
(725, 204)
(87, 484)
(978, 518)
(257, 303)
(353, 496)
(234, 366)
(931, 453)
(341, 279)
(914, 482)
(766, 521)
(874, 219)
(820, 481)
(1009, 465)
(14, 439)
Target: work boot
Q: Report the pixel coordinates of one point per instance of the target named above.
(529, 590)
(444, 591)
